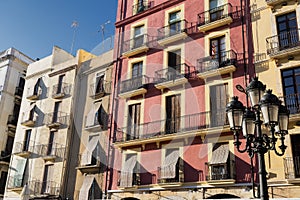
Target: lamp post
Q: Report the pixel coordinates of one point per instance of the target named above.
(248, 121)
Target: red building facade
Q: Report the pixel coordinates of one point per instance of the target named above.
(178, 62)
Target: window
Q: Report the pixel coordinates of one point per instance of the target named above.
(295, 141)
(95, 192)
(26, 140)
(36, 87)
(130, 172)
(2, 182)
(219, 164)
(174, 23)
(47, 185)
(140, 6)
(133, 130)
(217, 51)
(99, 83)
(56, 111)
(60, 84)
(287, 30)
(291, 87)
(31, 116)
(138, 36)
(174, 64)
(215, 10)
(137, 70)
(50, 143)
(9, 145)
(169, 171)
(172, 114)
(218, 101)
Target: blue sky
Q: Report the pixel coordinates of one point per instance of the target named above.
(34, 26)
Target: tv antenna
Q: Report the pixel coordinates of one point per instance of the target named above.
(74, 25)
(102, 26)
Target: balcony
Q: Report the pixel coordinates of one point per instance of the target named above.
(19, 92)
(29, 119)
(12, 123)
(173, 32)
(167, 129)
(95, 126)
(142, 6)
(172, 76)
(33, 95)
(94, 165)
(23, 149)
(274, 2)
(50, 152)
(292, 168)
(283, 44)
(292, 103)
(136, 179)
(222, 173)
(177, 180)
(215, 18)
(56, 119)
(61, 90)
(99, 90)
(217, 65)
(135, 45)
(134, 86)
(44, 189)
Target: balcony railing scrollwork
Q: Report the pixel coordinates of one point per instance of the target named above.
(61, 90)
(55, 119)
(178, 125)
(292, 167)
(286, 41)
(173, 29)
(134, 83)
(223, 62)
(173, 73)
(136, 45)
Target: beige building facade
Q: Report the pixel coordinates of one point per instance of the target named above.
(275, 26)
(40, 161)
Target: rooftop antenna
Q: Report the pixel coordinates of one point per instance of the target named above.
(103, 29)
(74, 25)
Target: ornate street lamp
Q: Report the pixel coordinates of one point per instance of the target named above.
(248, 121)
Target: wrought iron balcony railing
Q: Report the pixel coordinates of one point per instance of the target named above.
(142, 6)
(292, 167)
(24, 147)
(220, 171)
(33, 93)
(172, 73)
(292, 102)
(99, 90)
(181, 124)
(19, 91)
(135, 43)
(56, 118)
(179, 175)
(134, 83)
(12, 120)
(172, 29)
(61, 90)
(283, 41)
(223, 59)
(45, 188)
(214, 14)
(52, 150)
(136, 179)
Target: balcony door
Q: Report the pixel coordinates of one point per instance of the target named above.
(174, 23)
(99, 84)
(217, 51)
(216, 10)
(173, 110)
(174, 64)
(133, 130)
(291, 87)
(50, 143)
(56, 110)
(60, 84)
(47, 186)
(136, 76)
(287, 30)
(26, 140)
(295, 141)
(218, 101)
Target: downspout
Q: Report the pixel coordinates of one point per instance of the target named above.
(113, 127)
